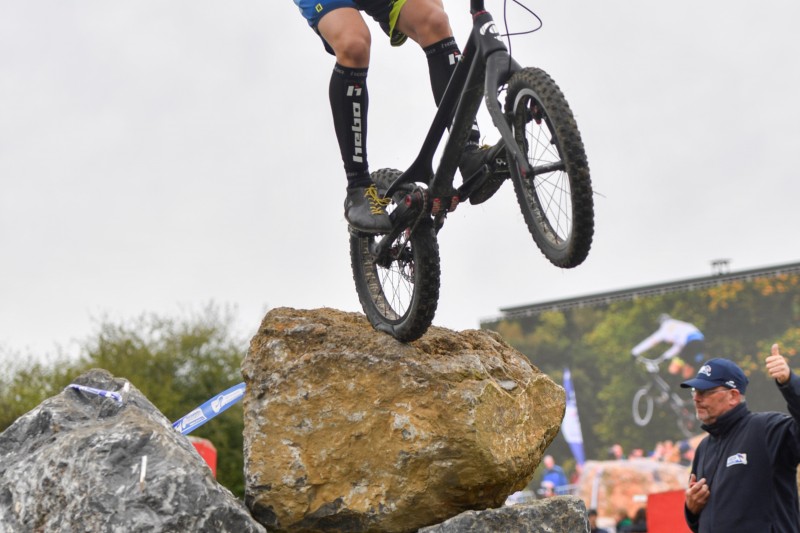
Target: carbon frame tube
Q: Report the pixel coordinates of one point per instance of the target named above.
(476, 6)
(421, 170)
(484, 66)
(491, 67)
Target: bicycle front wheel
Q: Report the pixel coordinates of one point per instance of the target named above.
(399, 292)
(642, 407)
(555, 191)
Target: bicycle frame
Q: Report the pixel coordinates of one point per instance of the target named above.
(485, 65)
(397, 273)
(662, 385)
(661, 393)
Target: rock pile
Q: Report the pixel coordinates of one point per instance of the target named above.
(346, 429)
(83, 462)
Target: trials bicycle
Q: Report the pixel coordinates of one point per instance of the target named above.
(658, 392)
(397, 275)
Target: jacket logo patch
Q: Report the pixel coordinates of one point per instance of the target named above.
(737, 459)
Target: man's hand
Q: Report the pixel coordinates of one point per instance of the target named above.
(697, 495)
(777, 366)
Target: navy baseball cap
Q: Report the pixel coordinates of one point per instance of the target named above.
(718, 372)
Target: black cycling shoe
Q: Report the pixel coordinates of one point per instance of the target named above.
(473, 161)
(365, 210)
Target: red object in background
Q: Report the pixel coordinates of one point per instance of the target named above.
(665, 512)
(206, 451)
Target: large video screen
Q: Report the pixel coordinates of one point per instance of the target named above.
(629, 350)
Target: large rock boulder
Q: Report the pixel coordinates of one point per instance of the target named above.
(83, 462)
(560, 514)
(348, 429)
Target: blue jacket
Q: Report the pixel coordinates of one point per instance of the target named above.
(750, 463)
(557, 476)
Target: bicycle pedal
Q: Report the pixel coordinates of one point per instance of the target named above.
(486, 190)
(478, 174)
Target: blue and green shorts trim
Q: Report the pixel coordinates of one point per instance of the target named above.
(385, 12)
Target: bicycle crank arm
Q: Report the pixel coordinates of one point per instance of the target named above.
(408, 210)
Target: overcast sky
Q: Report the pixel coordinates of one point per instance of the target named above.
(159, 155)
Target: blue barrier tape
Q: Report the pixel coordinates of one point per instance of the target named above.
(100, 392)
(209, 410)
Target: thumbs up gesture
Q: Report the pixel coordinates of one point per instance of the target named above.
(777, 366)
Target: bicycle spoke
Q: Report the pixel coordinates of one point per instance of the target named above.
(555, 197)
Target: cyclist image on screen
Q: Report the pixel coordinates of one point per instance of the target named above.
(345, 34)
(687, 342)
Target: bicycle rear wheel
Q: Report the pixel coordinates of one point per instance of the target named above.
(399, 293)
(555, 192)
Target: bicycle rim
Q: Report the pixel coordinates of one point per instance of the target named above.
(399, 293)
(556, 196)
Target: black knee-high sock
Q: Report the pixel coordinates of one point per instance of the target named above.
(349, 103)
(442, 58)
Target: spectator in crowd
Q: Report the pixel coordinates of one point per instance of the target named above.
(744, 473)
(639, 523)
(623, 520)
(554, 474)
(670, 452)
(593, 522)
(665, 451)
(575, 477)
(658, 452)
(615, 452)
(547, 489)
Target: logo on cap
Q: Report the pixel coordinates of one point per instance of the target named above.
(706, 369)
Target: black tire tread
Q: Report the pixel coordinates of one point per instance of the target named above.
(427, 276)
(579, 242)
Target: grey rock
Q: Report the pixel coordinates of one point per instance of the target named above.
(560, 514)
(75, 463)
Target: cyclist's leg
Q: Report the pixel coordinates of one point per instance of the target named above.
(346, 33)
(424, 21)
(427, 23)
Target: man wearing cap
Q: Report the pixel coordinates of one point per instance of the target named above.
(743, 476)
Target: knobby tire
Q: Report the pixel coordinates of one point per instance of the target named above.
(557, 205)
(399, 297)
